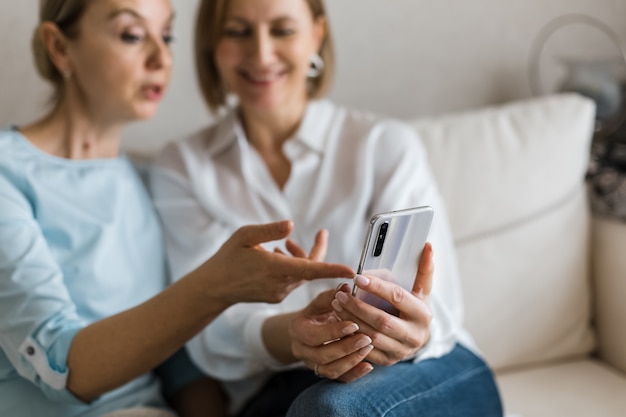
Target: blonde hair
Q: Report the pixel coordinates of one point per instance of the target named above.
(66, 15)
(208, 31)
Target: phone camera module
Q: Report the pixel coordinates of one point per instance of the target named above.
(380, 240)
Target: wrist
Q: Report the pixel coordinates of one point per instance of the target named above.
(210, 288)
(276, 337)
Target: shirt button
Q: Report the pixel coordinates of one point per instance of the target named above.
(30, 350)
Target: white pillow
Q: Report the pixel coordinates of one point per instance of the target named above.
(512, 179)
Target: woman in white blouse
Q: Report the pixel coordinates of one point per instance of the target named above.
(282, 153)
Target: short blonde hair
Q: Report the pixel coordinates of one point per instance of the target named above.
(209, 25)
(65, 14)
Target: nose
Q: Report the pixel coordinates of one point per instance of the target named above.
(160, 56)
(262, 49)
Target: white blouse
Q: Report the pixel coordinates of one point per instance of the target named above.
(345, 167)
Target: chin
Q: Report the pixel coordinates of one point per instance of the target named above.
(265, 103)
(268, 98)
(144, 112)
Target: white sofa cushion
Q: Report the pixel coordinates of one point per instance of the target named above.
(574, 389)
(512, 179)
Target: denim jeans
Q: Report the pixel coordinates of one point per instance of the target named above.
(458, 384)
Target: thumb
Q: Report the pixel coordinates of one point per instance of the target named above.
(321, 303)
(424, 277)
(250, 236)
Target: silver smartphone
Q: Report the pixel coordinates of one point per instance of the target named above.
(392, 250)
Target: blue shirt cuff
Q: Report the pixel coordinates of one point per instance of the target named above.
(46, 366)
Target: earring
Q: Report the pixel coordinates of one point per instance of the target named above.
(67, 74)
(317, 66)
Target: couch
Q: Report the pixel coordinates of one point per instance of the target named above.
(543, 278)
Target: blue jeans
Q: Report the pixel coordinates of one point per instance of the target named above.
(457, 384)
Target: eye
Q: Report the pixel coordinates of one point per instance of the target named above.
(283, 32)
(236, 33)
(130, 37)
(168, 39)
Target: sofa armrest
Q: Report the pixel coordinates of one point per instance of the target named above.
(609, 274)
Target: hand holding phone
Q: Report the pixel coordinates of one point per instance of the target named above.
(392, 250)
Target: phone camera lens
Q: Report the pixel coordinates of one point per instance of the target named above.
(382, 233)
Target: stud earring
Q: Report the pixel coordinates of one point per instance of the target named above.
(317, 66)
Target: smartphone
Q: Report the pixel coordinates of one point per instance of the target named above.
(392, 250)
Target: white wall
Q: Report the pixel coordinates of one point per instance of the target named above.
(404, 58)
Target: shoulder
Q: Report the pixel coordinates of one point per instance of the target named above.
(367, 122)
(7, 133)
(12, 156)
(198, 146)
(366, 128)
(9, 139)
(13, 190)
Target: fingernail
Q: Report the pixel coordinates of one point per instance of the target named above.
(366, 350)
(368, 369)
(362, 281)
(336, 306)
(363, 342)
(341, 297)
(340, 286)
(332, 319)
(350, 329)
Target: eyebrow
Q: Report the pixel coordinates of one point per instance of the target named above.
(131, 12)
(118, 12)
(246, 21)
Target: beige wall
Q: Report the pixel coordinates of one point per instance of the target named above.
(399, 57)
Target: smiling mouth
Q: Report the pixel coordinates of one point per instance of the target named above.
(262, 79)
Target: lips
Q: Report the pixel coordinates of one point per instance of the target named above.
(153, 92)
(262, 78)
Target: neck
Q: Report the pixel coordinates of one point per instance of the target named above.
(267, 131)
(70, 132)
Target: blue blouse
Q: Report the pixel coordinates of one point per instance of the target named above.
(79, 241)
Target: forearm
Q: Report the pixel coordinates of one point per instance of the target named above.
(276, 337)
(115, 350)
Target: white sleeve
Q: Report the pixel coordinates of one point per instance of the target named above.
(192, 235)
(404, 179)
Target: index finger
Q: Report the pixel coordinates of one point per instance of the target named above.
(423, 283)
(305, 269)
(398, 297)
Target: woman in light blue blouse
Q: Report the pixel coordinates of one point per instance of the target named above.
(84, 316)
